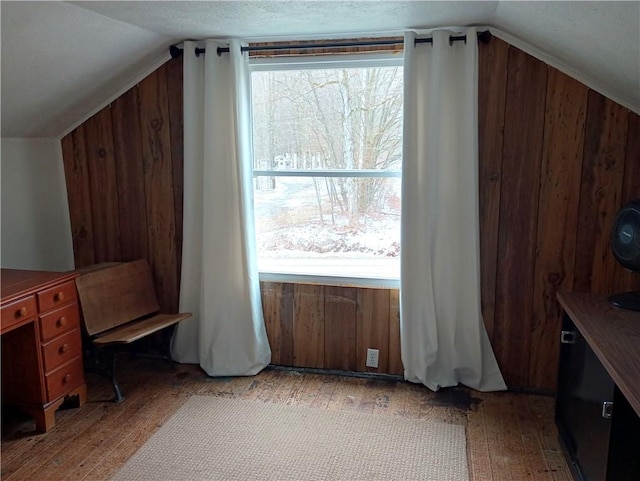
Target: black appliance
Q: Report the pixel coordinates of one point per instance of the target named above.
(625, 244)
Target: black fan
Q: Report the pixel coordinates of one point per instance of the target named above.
(625, 243)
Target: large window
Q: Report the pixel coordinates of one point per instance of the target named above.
(327, 164)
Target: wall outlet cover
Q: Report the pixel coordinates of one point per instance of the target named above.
(372, 358)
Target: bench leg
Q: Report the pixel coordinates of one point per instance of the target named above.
(166, 345)
(94, 364)
(164, 349)
(116, 389)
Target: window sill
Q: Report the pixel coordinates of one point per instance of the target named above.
(325, 280)
(357, 272)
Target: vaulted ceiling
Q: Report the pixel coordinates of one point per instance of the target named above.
(61, 61)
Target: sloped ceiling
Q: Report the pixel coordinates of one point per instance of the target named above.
(61, 61)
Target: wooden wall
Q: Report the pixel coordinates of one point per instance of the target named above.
(123, 168)
(557, 160)
(331, 327)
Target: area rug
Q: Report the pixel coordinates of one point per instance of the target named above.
(212, 438)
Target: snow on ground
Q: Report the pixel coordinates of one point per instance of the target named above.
(377, 239)
(288, 225)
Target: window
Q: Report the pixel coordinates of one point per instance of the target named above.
(327, 141)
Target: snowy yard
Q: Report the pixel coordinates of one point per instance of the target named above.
(292, 238)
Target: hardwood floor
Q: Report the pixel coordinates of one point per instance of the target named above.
(510, 436)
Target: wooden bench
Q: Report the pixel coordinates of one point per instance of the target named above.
(119, 306)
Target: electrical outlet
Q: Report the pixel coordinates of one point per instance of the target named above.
(372, 358)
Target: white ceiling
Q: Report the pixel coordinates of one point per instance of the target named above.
(61, 61)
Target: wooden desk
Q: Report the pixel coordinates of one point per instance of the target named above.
(41, 343)
(598, 403)
(614, 336)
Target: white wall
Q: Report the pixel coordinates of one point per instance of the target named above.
(35, 227)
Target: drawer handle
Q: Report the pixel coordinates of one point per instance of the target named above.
(66, 378)
(567, 337)
(22, 312)
(59, 296)
(62, 321)
(607, 409)
(64, 348)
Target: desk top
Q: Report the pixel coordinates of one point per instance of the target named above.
(614, 336)
(16, 283)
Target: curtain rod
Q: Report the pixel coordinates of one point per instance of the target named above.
(175, 51)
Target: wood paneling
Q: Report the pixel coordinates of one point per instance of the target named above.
(601, 188)
(280, 52)
(103, 185)
(522, 149)
(557, 218)
(568, 160)
(331, 327)
(565, 171)
(123, 168)
(158, 175)
(287, 326)
(277, 304)
(130, 175)
(79, 196)
(554, 169)
(175, 98)
(372, 328)
(308, 326)
(492, 87)
(271, 293)
(340, 328)
(395, 358)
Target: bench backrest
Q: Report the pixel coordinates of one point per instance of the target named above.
(116, 294)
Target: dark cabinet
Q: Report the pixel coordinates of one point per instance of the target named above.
(599, 430)
(583, 405)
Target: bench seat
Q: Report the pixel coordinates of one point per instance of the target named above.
(119, 306)
(138, 329)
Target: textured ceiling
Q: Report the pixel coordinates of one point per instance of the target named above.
(260, 19)
(61, 61)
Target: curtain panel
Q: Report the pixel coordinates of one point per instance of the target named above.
(219, 280)
(443, 338)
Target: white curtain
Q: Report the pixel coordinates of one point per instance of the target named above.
(219, 281)
(443, 338)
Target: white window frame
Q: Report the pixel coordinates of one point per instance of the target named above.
(387, 59)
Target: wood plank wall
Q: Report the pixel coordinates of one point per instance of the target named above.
(123, 168)
(557, 160)
(331, 327)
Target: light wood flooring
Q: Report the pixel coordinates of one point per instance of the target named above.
(510, 436)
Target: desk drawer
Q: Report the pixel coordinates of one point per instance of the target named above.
(59, 321)
(56, 296)
(64, 379)
(18, 311)
(61, 350)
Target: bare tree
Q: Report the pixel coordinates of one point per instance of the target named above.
(342, 118)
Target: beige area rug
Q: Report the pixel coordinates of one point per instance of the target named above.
(212, 438)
